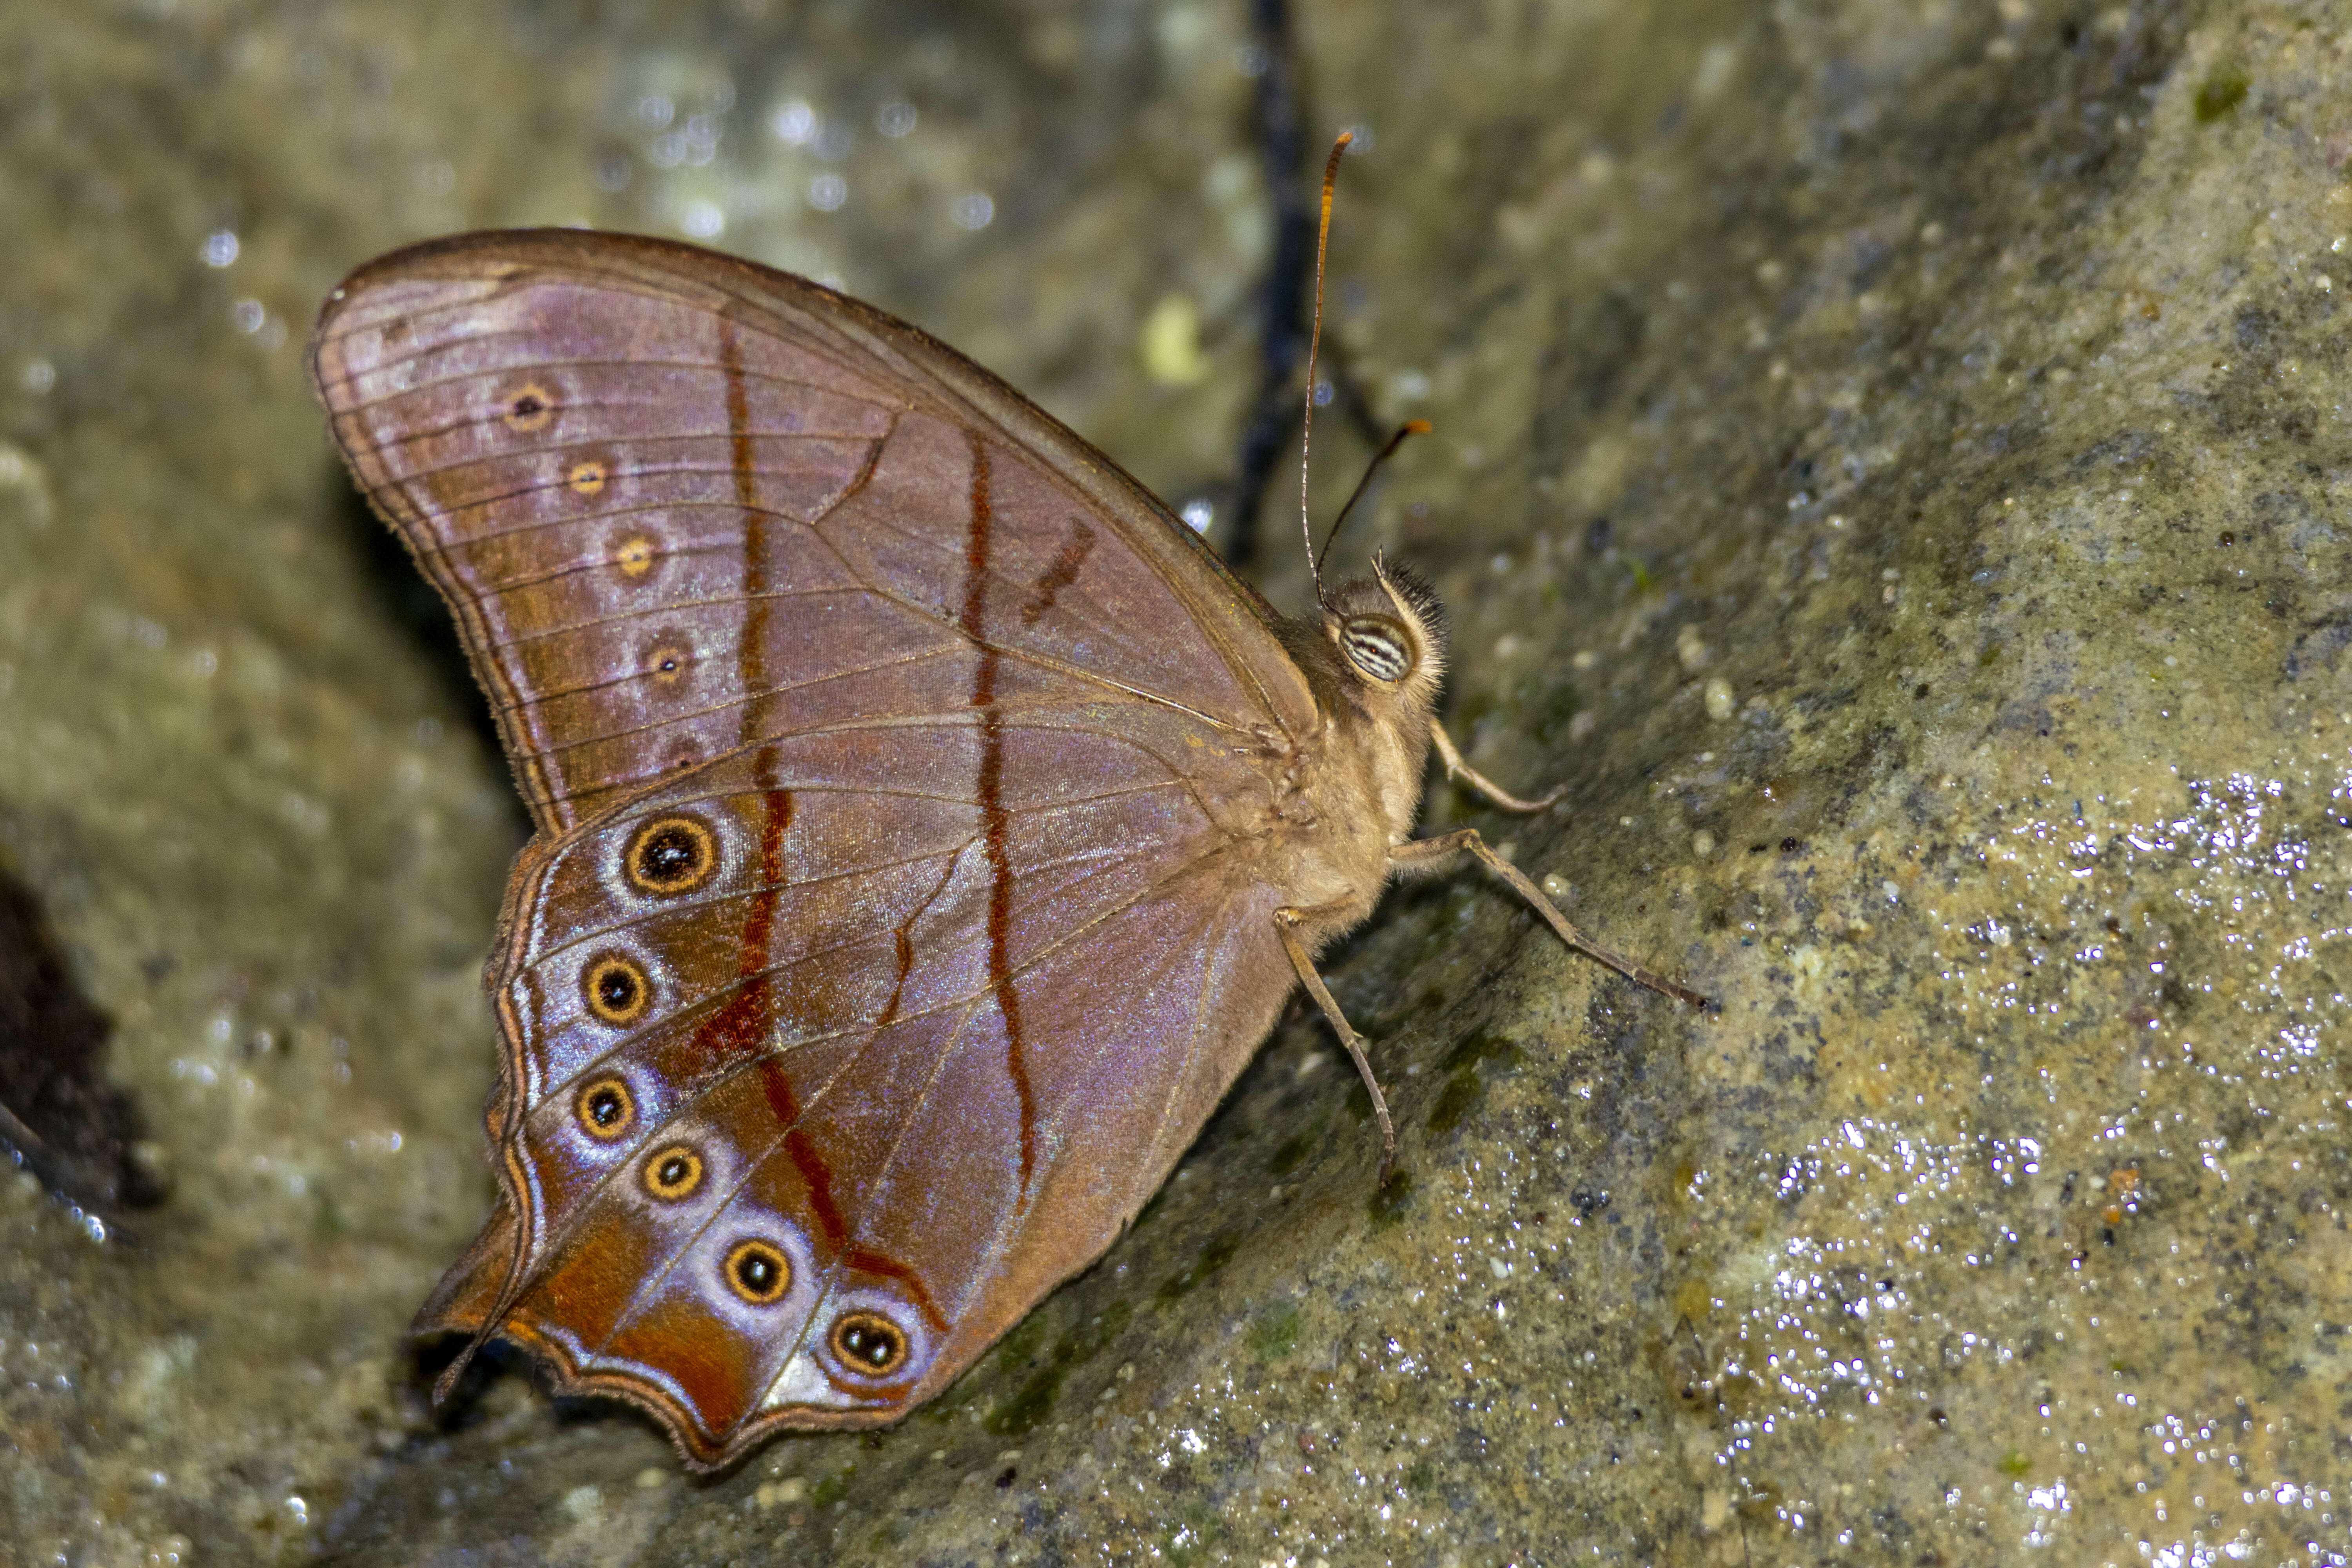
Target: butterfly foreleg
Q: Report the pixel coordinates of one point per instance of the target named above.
(1427, 854)
(1286, 921)
(1455, 768)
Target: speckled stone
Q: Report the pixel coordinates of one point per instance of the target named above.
(1891, 464)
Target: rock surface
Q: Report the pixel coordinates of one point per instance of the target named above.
(1891, 464)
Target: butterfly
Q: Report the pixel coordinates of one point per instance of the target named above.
(929, 826)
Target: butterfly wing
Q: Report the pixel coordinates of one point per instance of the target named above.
(894, 923)
(677, 502)
(947, 1004)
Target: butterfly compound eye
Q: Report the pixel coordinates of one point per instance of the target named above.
(759, 1272)
(606, 1108)
(869, 1342)
(673, 855)
(1378, 647)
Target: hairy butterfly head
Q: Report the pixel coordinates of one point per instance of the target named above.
(1388, 631)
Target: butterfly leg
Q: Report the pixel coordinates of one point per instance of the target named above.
(1286, 925)
(1421, 854)
(1455, 768)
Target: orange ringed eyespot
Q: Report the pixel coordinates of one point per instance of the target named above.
(670, 854)
(869, 1343)
(633, 555)
(529, 408)
(757, 1271)
(606, 1109)
(617, 989)
(674, 1172)
(667, 661)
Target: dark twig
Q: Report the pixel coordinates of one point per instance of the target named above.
(1284, 326)
(1282, 309)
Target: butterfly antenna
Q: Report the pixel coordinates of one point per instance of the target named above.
(1409, 427)
(1314, 341)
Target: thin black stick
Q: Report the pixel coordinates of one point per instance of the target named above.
(1282, 304)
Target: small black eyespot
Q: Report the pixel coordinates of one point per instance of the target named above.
(617, 990)
(635, 555)
(674, 1172)
(673, 854)
(606, 1110)
(869, 1342)
(759, 1272)
(529, 408)
(1377, 647)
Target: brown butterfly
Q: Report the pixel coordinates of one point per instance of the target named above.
(929, 827)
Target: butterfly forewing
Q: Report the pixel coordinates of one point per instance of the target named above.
(679, 502)
(894, 922)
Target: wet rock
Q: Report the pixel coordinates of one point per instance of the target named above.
(1888, 465)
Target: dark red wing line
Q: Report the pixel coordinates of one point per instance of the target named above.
(980, 536)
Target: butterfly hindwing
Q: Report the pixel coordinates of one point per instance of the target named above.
(896, 1091)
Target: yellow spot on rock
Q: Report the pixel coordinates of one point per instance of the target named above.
(1171, 343)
